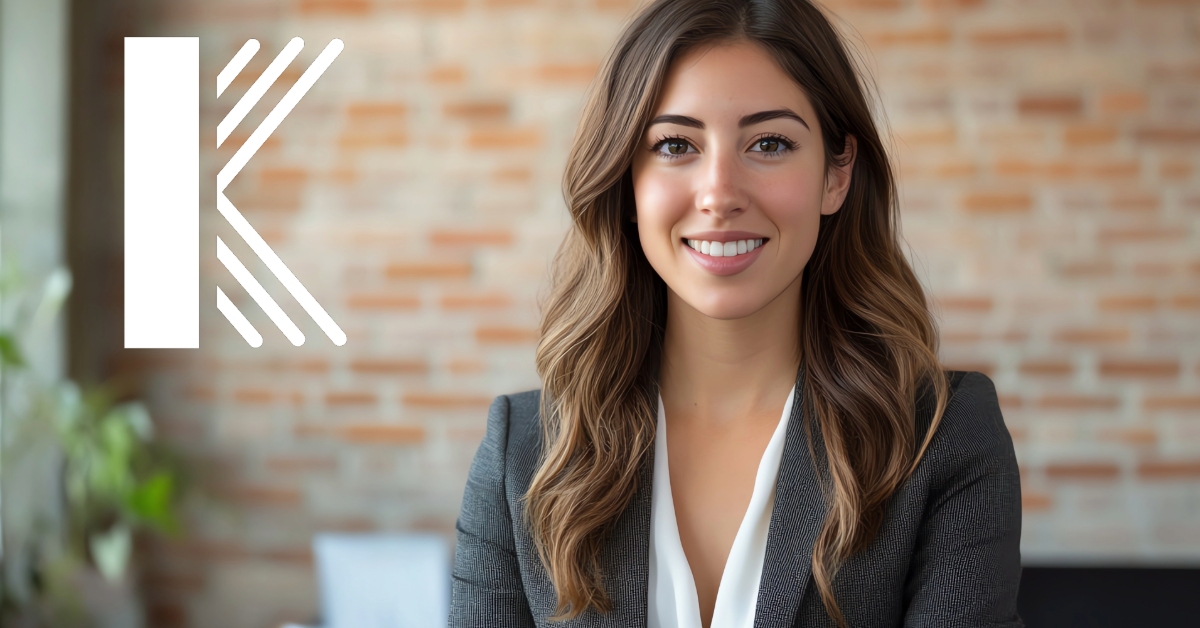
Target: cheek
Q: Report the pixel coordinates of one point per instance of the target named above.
(662, 201)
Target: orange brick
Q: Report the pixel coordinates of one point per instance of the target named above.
(253, 395)
(1122, 102)
(1169, 135)
(487, 300)
(263, 495)
(928, 136)
(997, 203)
(922, 36)
(388, 367)
(476, 110)
(445, 401)
(388, 433)
(427, 270)
(463, 366)
(1039, 106)
(383, 301)
(1079, 402)
(1128, 303)
(199, 393)
(1095, 335)
(936, 5)
(1115, 169)
(502, 335)
(977, 305)
(1083, 471)
(1186, 301)
(1014, 168)
(1169, 470)
(1136, 235)
(376, 111)
(1047, 368)
(1020, 36)
(1083, 269)
(961, 337)
(290, 177)
(509, 4)
(566, 73)
(874, 5)
(512, 175)
(503, 138)
(1134, 202)
(446, 74)
(1175, 169)
(1172, 402)
(1089, 134)
(336, 7)
(349, 398)
(956, 169)
(1113, 367)
(1137, 436)
(494, 237)
(1035, 502)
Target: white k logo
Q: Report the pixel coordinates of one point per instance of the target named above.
(162, 198)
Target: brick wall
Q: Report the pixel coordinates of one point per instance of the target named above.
(1049, 153)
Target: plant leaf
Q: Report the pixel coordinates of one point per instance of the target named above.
(10, 354)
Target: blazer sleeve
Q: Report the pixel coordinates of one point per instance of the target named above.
(966, 565)
(487, 588)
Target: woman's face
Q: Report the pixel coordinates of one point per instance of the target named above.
(730, 181)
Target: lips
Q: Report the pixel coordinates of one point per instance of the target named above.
(743, 251)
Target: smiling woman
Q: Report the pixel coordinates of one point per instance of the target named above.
(742, 420)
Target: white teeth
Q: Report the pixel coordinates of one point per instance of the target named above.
(725, 249)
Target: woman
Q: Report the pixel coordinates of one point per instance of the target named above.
(743, 421)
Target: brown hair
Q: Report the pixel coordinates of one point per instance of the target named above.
(867, 339)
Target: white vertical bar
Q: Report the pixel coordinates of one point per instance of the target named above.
(162, 192)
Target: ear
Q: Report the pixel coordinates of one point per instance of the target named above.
(837, 179)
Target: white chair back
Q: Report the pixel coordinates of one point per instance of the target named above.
(383, 580)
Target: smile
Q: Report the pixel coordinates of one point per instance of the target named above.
(724, 258)
(713, 248)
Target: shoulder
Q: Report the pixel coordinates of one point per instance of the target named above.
(971, 430)
(514, 428)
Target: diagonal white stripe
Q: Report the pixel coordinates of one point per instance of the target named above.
(260, 87)
(235, 67)
(239, 321)
(276, 265)
(259, 294)
(281, 110)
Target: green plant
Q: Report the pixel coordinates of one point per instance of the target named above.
(108, 477)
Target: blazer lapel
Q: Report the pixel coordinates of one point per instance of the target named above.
(796, 519)
(626, 560)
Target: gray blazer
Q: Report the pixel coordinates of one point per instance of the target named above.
(947, 553)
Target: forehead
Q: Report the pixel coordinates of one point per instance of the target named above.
(729, 79)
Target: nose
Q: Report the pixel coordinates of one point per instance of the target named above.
(720, 191)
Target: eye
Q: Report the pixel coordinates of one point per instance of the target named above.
(768, 145)
(671, 147)
(772, 145)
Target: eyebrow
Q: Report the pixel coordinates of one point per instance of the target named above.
(747, 120)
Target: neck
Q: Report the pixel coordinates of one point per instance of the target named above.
(717, 371)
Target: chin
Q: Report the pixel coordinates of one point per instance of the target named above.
(729, 305)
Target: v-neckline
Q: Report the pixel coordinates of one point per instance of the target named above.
(737, 590)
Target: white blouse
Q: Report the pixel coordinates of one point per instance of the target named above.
(672, 599)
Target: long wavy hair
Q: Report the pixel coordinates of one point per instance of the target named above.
(868, 343)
